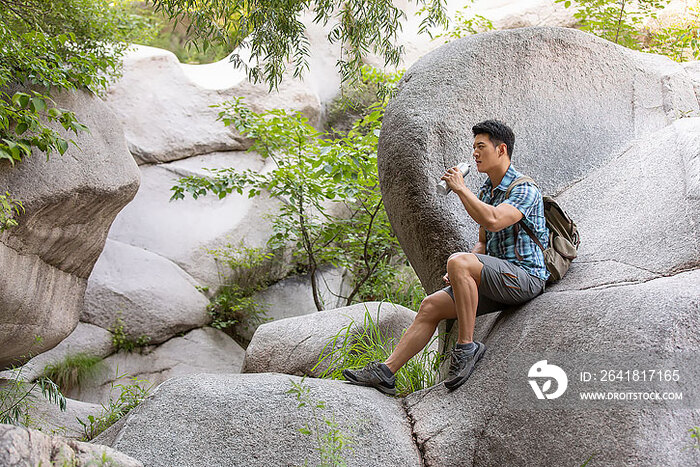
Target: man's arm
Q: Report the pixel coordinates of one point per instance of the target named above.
(492, 218)
(480, 246)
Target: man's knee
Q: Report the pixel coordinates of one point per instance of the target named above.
(429, 310)
(464, 263)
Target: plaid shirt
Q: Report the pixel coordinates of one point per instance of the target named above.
(528, 200)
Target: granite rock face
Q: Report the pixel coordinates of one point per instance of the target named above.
(70, 202)
(23, 447)
(251, 420)
(570, 97)
(485, 423)
(205, 350)
(151, 296)
(167, 116)
(294, 345)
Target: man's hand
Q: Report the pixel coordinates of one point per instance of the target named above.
(454, 179)
(446, 279)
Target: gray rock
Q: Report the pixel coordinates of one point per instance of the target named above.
(569, 96)
(482, 424)
(166, 116)
(22, 447)
(70, 201)
(251, 420)
(49, 418)
(293, 296)
(152, 296)
(183, 231)
(295, 345)
(205, 350)
(86, 338)
(693, 69)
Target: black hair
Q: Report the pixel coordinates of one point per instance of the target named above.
(498, 132)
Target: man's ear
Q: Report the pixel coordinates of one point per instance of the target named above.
(502, 149)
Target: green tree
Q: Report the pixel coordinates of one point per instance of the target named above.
(631, 23)
(273, 32)
(314, 178)
(49, 46)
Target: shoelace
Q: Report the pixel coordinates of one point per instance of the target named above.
(457, 359)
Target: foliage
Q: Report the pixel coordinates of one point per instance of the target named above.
(50, 45)
(467, 24)
(9, 207)
(695, 438)
(121, 340)
(332, 209)
(355, 346)
(233, 309)
(331, 442)
(632, 23)
(130, 396)
(273, 33)
(17, 397)
(396, 284)
(73, 370)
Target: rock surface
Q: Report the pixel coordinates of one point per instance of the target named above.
(483, 424)
(293, 296)
(49, 418)
(166, 116)
(86, 338)
(23, 447)
(586, 97)
(183, 231)
(205, 350)
(151, 296)
(251, 420)
(70, 202)
(294, 345)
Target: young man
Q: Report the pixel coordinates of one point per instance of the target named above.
(505, 267)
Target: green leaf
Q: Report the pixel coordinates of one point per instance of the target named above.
(62, 146)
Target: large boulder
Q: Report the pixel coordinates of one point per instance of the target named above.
(22, 447)
(151, 295)
(575, 103)
(205, 350)
(70, 202)
(486, 422)
(185, 231)
(166, 116)
(252, 420)
(295, 345)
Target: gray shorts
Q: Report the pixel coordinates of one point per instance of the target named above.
(503, 284)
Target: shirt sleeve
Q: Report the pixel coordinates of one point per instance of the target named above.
(524, 197)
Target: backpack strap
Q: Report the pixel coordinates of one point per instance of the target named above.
(516, 229)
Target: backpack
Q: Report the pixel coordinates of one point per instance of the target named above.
(563, 234)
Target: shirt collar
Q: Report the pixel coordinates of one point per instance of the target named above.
(508, 178)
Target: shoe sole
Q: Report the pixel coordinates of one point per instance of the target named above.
(350, 379)
(457, 382)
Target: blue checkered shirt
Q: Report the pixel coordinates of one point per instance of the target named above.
(528, 200)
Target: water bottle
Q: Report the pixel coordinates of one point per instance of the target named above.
(442, 187)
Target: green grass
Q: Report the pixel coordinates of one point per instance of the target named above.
(355, 346)
(73, 370)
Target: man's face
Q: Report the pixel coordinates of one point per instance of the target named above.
(486, 154)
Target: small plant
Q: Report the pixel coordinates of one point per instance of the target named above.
(130, 396)
(467, 24)
(694, 438)
(17, 395)
(73, 370)
(354, 347)
(122, 341)
(9, 208)
(331, 442)
(247, 271)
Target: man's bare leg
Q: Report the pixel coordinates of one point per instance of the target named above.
(433, 309)
(464, 270)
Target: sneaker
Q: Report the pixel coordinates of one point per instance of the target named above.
(372, 375)
(462, 365)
